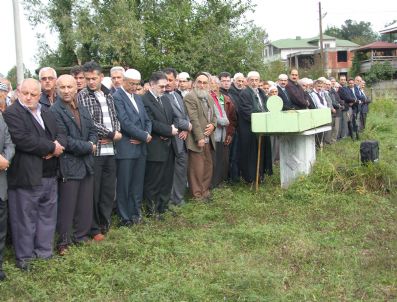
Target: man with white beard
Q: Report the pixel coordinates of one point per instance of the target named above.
(200, 141)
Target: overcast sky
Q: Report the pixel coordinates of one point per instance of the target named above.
(281, 19)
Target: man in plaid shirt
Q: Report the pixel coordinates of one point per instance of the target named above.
(99, 102)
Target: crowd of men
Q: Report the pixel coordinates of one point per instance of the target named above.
(73, 145)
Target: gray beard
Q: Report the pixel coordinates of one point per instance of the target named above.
(201, 93)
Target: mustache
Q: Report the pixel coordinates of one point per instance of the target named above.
(202, 93)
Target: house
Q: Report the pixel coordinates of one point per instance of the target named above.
(377, 52)
(304, 53)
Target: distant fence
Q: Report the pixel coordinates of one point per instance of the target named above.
(384, 90)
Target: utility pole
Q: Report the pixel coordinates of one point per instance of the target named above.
(321, 36)
(18, 42)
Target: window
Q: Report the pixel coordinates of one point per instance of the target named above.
(342, 56)
(327, 45)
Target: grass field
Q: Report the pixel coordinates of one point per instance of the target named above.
(331, 236)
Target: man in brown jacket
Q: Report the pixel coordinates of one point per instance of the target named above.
(200, 142)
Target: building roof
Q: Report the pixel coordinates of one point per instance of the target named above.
(378, 45)
(310, 42)
(391, 29)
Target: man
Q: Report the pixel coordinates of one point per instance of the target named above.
(32, 176)
(99, 102)
(265, 87)
(48, 78)
(347, 94)
(345, 116)
(7, 150)
(295, 91)
(361, 98)
(78, 74)
(234, 155)
(201, 141)
(182, 122)
(252, 99)
(365, 105)
(226, 82)
(3, 96)
(7, 91)
(338, 105)
(161, 150)
(131, 149)
(76, 188)
(183, 79)
(116, 75)
(318, 96)
(283, 93)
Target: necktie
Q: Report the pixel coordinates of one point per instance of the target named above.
(259, 100)
(160, 102)
(176, 102)
(134, 102)
(320, 98)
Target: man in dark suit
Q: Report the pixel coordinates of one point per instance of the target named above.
(7, 150)
(252, 99)
(131, 149)
(182, 122)
(283, 93)
(161, 150)
(32, 176)
(346, 93)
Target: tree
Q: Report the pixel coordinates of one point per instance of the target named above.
(379, 72)
(389, 37)
(12, 75)
(357, 32)
(189, 35)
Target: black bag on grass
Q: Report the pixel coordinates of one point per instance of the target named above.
(369, 151)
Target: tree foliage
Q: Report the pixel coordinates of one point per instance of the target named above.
(189, 35)
(12, 75)
(379, 72)
(357, 32)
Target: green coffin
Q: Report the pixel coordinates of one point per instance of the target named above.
(289, 121)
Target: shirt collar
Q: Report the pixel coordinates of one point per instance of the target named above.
(38, 108)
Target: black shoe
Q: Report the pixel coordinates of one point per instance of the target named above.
(2, 275)
(125, 223)
(159, 217)
(137, 220)
(23, 265)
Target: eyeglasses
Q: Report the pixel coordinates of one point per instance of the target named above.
(133, 84)
(47, 79)
(202, 82)
(162, 86)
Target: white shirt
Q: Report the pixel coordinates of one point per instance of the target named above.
(131, 97)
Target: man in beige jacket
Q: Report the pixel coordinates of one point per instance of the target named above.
(200, 142)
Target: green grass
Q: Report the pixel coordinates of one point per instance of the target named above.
(332, 236)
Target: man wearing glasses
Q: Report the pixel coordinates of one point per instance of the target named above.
(48, 79)
(161, 150)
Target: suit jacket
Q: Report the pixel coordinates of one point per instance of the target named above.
(287, 103)
(134, 125)
(199, 120)
(162, 117)
(181, 119)
(7, 150)
(77, 160)
(31, 144)
(346, 94)
(296, 95)
(249, 103)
